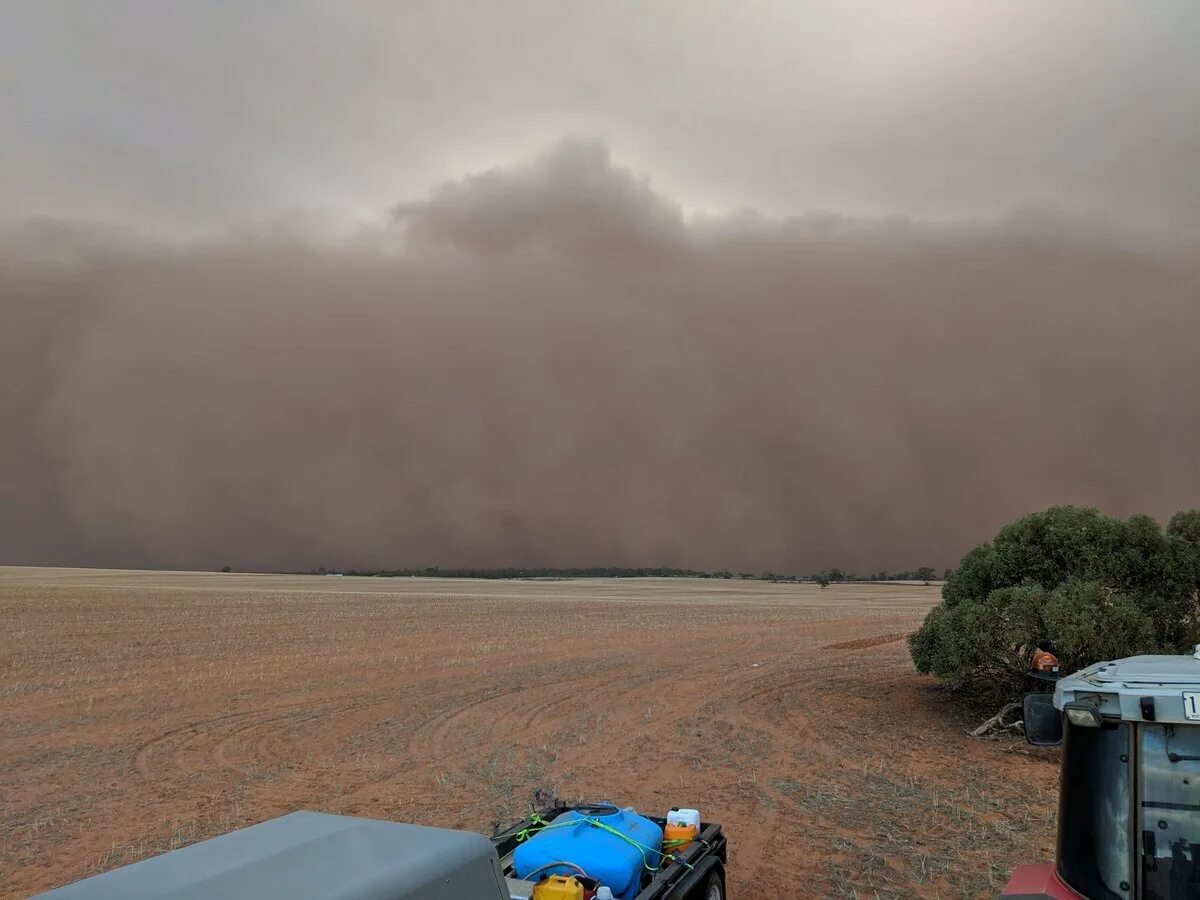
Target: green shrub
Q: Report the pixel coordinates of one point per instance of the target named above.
(1068, 580)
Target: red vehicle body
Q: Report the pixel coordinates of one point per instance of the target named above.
(1037, 883)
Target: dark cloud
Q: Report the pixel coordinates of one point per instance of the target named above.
(549, 364)
(572, 200)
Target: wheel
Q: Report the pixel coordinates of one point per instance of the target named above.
(714, 888)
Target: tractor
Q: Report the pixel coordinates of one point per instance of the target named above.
(1129, 798)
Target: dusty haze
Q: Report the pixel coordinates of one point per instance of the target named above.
(547, 363)
(825, 284)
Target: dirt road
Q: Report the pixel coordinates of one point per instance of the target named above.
(143, 711)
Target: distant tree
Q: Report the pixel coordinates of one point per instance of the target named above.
(925, 574)
(947, 574)
(823, 579)
(226, 568)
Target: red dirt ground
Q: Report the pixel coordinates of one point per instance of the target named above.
(142, 711)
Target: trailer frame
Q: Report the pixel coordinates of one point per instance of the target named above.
(688, 878)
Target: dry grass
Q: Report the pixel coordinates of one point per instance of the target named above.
(144, 711)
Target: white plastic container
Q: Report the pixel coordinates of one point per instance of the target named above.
(684, 818)
(604, 892)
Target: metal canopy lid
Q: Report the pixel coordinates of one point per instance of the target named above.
(311, 856)
(1145, 670)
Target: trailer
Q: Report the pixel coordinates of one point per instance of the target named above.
(319, 856)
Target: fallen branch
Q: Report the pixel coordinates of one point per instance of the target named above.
(997, 725)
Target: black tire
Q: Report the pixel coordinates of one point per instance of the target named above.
(714, 887)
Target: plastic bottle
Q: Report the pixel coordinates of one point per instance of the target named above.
(683, 827)
(685, 817)
(603, 893)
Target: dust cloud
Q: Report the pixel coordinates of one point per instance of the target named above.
(549, 364)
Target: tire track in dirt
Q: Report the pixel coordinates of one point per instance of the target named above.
(515, 711)
(148, 749)
(612, 712)
(527, 716)
(439, 739)
(520, 710)
(735, 796)
(785, 703)
(260, 731)
(202, 745)
(443, 736)
(866, 643)
(664, 681)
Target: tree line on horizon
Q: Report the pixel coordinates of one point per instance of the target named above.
(823, 578)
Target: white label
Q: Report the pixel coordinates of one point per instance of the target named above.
(1191, 704)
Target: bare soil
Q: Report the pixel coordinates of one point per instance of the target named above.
(142, 711)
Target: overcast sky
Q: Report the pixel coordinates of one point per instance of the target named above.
(192, 117)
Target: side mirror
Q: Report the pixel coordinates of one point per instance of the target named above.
(1043, 723)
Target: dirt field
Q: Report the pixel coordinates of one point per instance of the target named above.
(143, 711)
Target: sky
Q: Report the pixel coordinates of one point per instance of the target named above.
(783, 286)
(180, 117)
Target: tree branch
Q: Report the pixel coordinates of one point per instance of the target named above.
(997, 725)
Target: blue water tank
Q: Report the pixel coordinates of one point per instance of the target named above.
(608, 858)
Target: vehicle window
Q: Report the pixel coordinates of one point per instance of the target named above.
(1093, 846)
(1170, 813)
